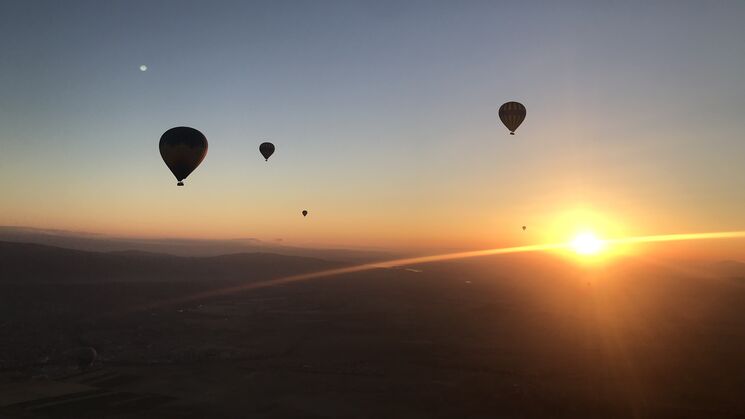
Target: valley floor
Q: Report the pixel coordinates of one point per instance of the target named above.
(454, 340)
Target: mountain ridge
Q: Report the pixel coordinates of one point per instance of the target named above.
(44, 263)
(179, 246)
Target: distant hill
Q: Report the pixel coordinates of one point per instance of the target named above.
(35, 262)
(177, 247)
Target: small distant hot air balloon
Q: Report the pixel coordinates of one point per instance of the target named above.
(512, 115)
(182, 149)
(524, 227)
(266, 149)
(305, 212)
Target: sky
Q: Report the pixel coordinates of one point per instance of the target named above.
(384, 115)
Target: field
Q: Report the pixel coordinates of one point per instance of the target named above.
(482, 338)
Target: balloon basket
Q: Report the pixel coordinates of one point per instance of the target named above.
(180, 184)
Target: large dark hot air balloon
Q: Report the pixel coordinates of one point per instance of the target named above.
(305, 212)
(266, 149)
(182, 149)
(512, 115)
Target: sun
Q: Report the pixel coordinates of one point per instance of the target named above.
(586, 243)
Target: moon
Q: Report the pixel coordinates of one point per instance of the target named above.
(143, 67)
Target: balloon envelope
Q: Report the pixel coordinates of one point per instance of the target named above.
(305, 212)
(182, 149)
(512, 115)
(266, 149)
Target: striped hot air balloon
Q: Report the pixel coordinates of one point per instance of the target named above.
(266, 150)
(512, 115)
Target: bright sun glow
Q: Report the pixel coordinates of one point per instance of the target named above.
(586, 243)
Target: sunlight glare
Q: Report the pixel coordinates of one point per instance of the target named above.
(586, 243)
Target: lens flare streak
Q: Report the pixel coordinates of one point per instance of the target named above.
(440, 258)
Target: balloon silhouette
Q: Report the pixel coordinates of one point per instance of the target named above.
(182, 149)
(512, 115)
(305, 212)
(524, 227)
(266, 149)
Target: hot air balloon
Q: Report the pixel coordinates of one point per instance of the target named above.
(182, 149)
(512, 115)
(524, 227)
(305, 212)
(266, 149)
